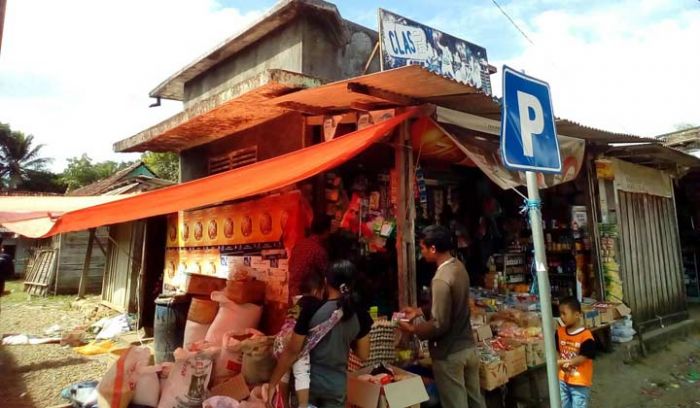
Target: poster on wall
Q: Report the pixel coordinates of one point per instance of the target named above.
(254, 235)
(407, 42)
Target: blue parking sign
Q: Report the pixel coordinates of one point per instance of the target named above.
(528, 132)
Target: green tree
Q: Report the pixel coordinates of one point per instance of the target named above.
(165, 165)
(43, 182)
(81, 171)
(19, 157)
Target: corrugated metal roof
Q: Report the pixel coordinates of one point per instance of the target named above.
(225, 113)
(599, 136)
(656, 155)
(282, 13)
(105, 184)
(406, 86)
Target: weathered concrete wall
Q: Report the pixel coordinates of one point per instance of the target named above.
(303, 46)
(280, 50)
(325, 60)
(273, 138)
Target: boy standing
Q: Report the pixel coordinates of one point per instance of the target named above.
(576, 348)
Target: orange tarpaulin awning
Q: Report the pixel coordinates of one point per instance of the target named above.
(247, 181)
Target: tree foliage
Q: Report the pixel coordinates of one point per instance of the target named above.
(20, 158)
(81, 171)
(165, 165)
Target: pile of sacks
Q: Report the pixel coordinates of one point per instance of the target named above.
(220, 344)
(193, 377)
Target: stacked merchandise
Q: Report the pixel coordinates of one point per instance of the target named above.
(509, 335)
(611, 269)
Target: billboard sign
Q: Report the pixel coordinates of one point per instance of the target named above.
(407, 42)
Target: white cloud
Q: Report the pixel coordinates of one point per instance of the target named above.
(77, 73)
(628, 67)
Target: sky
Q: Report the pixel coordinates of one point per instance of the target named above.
(76, 73)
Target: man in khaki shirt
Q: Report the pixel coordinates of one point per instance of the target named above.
(448, 328)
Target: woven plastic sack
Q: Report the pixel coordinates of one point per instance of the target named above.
(116, 388)
(188, 379)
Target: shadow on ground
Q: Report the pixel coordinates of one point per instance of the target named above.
(13, 390)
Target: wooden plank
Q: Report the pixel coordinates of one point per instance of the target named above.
(86, 267)
(388, 96)
(405, 216)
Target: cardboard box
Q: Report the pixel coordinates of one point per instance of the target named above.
(406, 393)
(477, 319)
(196, 284)
(482, 332)
(607, 315)
(534, 351)
(493, 375)
(515, 359)
(591, 319)
(621, 310)
(235, 388)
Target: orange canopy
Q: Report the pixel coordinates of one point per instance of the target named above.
(255, 179)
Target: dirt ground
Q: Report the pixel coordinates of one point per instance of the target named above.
(33, 376)
(668, 378)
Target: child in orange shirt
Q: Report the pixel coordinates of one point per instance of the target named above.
(576, 348)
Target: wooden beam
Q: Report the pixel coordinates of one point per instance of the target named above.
(392, 97)
(318, 120)
(405, 239)
(86, 265)
(300, 107)
(363, 107)
(371, 57)
(102, 248)
(3, 5)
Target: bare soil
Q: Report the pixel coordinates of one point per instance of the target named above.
(34, 375)
(668, 378)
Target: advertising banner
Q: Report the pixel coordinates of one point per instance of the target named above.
(407, 42)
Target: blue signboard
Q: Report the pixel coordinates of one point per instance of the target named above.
(406, 42)
(528, 132)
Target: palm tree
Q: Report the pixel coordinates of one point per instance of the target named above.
(18, 157)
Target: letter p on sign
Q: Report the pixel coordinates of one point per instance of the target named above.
(531, 120)
(528, 131)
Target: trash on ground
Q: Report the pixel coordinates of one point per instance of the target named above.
(82, 394)
(53, 331)
(94, 348)
(112, 327)
(21, 339)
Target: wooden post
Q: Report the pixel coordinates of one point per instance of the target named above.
(86, 265)
(406, 214)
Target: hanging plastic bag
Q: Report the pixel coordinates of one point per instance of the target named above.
(232, 317)
(188, 378)
(116, 388)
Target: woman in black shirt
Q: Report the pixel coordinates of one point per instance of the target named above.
(329, 357)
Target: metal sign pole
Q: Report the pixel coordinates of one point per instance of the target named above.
(545, 295)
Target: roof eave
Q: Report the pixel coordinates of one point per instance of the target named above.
(270, 83)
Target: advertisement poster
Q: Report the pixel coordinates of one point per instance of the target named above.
(407, 42)
(253, 235)
(434, 143)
